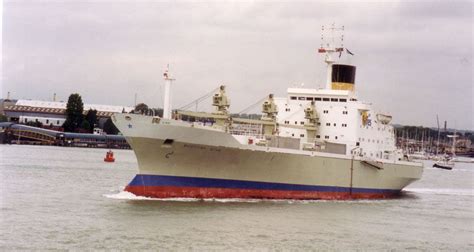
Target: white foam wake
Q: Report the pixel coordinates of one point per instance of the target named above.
(442, 191)
(124, 195)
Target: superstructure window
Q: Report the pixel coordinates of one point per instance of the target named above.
(325, 99)
(334, 99)
(302, 123)
(309, 98)
(317, 98)
(287, 122)
(344, 112)
(301, 98)
(342, 100)
(318, 136)
(334, 125)
(325, 111)
(328, 124)
(287, 109)
(301, 135)
(293, 98)
(326, 137)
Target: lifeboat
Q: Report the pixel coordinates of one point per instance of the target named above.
(384, 119)
(109, 157)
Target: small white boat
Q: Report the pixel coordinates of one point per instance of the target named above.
(445, 163)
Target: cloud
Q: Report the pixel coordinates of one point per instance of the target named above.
(414, 59)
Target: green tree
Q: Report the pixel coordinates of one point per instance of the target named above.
(74, 113)
(141, 108)
(85, 125)
(91, 118)
(110, 128)
(34, 124)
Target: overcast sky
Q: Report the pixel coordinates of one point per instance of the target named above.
(414, 59)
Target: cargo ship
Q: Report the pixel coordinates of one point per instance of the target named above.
(310, 144)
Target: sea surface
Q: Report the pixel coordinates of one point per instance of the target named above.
(68, 198)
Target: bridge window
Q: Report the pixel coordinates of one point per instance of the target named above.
(293, 97)
(334, 99)
(317, 98)
(301, 135)
(302, 123)
(328, 124)
(325, 99)
(318, 136)
(335, 137)
(325, 111)
(334, 125)
(344, 112)
(309, 98)
(301, 98)
(326, 137)
(342, 100)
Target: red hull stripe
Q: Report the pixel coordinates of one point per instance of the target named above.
(190, 187)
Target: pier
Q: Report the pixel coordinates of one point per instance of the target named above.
(11, 133)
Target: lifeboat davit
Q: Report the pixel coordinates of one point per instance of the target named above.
(109, 157)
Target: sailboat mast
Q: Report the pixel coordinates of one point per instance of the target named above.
(437, 142)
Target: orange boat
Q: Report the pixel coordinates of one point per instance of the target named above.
(109, 157)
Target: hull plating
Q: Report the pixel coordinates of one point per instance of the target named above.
(187, 187)
(200, 163)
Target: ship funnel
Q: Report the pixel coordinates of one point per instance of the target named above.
(343, 77)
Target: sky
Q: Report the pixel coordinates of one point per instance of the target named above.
(414, 58)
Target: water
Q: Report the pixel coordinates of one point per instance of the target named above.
(68, 198)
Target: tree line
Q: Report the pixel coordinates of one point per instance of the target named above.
(418, 133)
(76, 121)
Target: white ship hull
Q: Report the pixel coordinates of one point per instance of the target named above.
(177, 159)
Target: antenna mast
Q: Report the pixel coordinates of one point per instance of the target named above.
(328, 46)
(167, 93)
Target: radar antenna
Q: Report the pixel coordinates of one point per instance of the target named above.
(329, 47)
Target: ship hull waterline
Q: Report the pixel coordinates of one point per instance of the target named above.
(179, 160)
(183, 187)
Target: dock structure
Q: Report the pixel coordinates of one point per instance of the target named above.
(52, 113)
(11, 133)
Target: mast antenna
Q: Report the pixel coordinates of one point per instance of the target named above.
(167, 93)
(329, 47)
